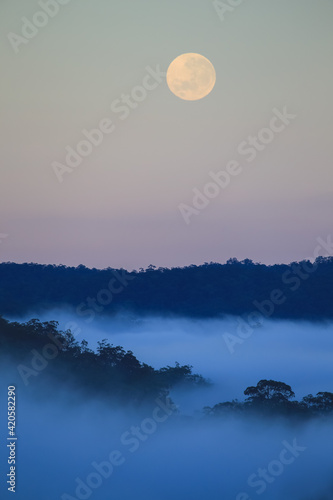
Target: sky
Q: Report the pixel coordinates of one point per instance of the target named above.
(137, 197)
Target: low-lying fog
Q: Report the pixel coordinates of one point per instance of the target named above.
(297, 353)
(183, 459)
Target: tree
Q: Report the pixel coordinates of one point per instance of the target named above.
(269, 390)
(322, 402)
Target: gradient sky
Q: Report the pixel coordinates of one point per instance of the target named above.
(120, 207)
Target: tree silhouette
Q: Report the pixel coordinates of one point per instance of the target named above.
(269, 390)
(322, 402)
(271, 398)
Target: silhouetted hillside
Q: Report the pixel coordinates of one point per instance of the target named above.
(35, 348)
(299, 290)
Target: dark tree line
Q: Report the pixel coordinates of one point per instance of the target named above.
(42, 352)
(270, 397)
(209, 290)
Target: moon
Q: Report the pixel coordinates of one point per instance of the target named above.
(191, 76)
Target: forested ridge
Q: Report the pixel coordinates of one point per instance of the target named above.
(209, 290)
(41, 352)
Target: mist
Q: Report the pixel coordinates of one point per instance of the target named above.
(68, 442)
(298, 353)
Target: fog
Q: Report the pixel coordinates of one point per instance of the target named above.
(297, 353)
(179, 454)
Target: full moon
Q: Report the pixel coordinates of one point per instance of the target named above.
(191, 77)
